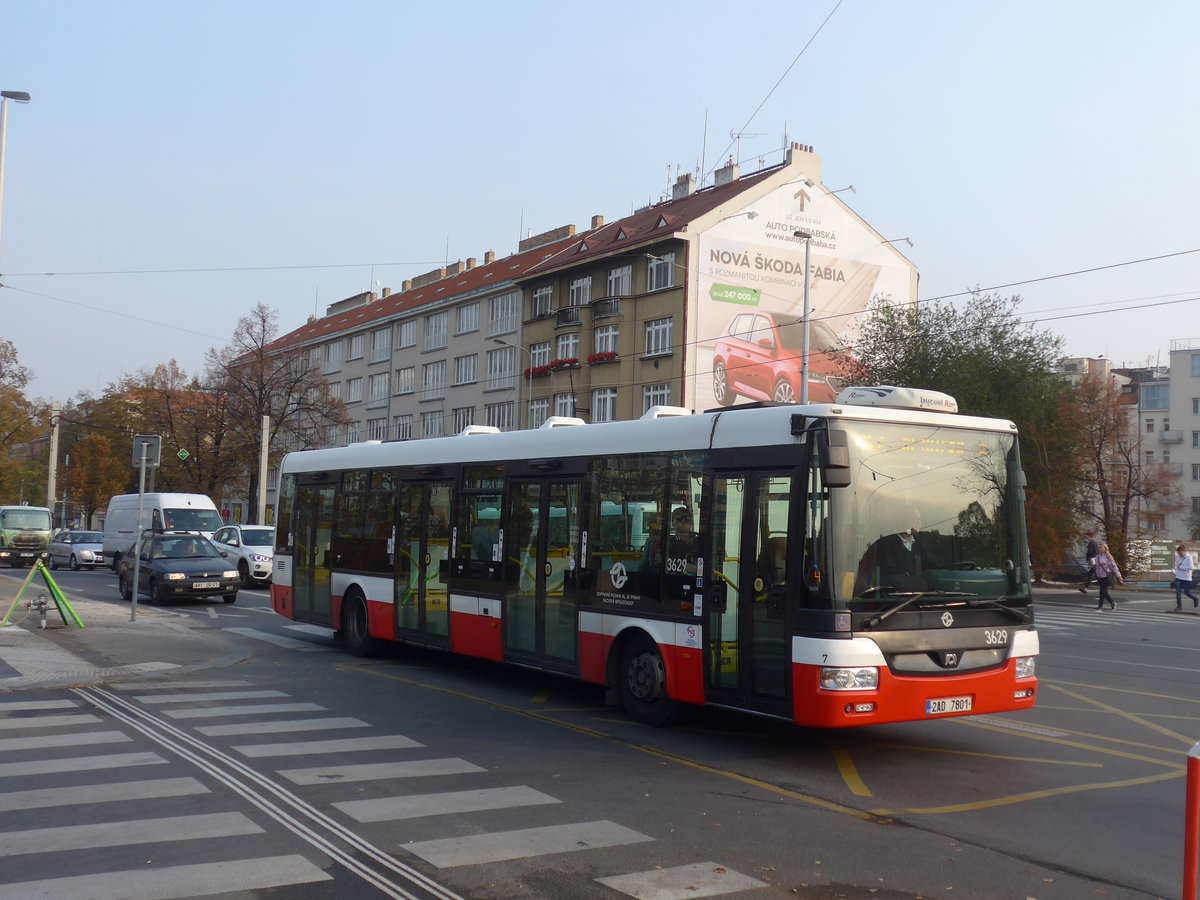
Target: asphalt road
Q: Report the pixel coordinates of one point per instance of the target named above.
(464, 778)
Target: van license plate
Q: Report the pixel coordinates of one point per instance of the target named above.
(947, 705)
(213, 585)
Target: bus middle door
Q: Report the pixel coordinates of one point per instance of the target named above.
(541, 548)
(313, 532)
(422, 551)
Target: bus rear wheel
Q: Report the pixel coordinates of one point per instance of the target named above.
(355, 630)
(644, 684)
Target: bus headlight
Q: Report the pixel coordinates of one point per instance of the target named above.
(849, 679)
(1026, 666)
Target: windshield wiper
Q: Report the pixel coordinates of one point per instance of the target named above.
(909, 600)
(1024, 618)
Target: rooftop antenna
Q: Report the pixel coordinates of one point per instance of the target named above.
(703, 149)
(737, 136)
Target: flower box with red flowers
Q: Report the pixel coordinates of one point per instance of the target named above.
(604, 356)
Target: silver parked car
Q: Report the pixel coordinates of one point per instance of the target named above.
(77, 549)
(251, 548)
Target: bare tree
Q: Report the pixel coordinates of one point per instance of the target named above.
(258, 378)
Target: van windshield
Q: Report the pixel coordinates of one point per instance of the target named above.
(191, 520)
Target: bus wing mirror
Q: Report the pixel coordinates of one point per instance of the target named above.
(837, 459)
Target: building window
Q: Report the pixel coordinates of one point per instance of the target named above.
(351, 432)
(463, 416)
(1156, 522)
(568, 346)
(464, 369)
(355, 344)
(433, 380)
(502, 313)
(354, 388)
(539, 354)
(376, 429)
(402, 427)
(1195, 472)
(467, 318)
(406, 380)
(435, 331)
(1149, 426)
(581, 291)
(379, 387)
(381, 344)
(656, 395)
(335, 391)
(500, 415)
(333, 357)
(542, 298)
(502, 367)
(539, 412)
(1196, 439)
(604, 338)
(331, 436)
(1149, 457)
(406, 334)
(604, 405)
(661, 273)
(564, 404)
(1196, 506)
(433, 423)
(658, 337)
(620, 281)
(1196, 365)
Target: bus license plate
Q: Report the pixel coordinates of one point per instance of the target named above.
(947, 705)
(213, 585)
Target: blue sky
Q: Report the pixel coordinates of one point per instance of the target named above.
(310, 149)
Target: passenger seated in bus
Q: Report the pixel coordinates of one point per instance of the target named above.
(896, 561)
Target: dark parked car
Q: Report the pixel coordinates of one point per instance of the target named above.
(178, 565)
(77, 549)
(759, 357)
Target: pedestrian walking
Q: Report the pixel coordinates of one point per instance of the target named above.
(1090, 555)
(1107, 574)
(1183, 577)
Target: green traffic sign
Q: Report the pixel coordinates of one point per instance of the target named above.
(183, 454)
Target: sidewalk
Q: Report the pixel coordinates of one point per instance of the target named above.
(108, 648)
(1147, 598)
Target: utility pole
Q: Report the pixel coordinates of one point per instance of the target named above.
(263, 448)
(52, 480)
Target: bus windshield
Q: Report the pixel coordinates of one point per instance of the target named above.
(929, 510)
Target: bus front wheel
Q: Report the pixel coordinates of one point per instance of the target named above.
(644, 684)
(355, 630)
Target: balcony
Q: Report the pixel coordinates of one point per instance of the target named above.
(1170, 437)
(569, 315)
(1174, 468)
(609, 307)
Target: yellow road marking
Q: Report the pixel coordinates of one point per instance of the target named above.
(1028, 759)
(849, 773)
(1078, 745)
(1131, 717)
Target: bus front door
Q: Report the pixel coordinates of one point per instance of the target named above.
(541, 547)
(745, 611)
(422, 548)
(310, 572)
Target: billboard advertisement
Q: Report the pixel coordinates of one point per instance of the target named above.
(750, 304)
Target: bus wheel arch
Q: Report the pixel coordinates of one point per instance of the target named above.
(638, 673)
(355, 625)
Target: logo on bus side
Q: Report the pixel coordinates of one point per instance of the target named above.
(618, 575)
(947, 619)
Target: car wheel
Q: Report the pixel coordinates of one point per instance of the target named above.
(54, 563)
(643, 685)
(722, 393)
(116, 563)
(355, 631)
(74, 563)
(244, 572)
(784, 392)
(126, 590)
(230, 598)
(156, 596)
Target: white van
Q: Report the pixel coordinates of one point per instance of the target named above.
(160, 512)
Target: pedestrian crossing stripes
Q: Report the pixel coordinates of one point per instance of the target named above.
(47, 725)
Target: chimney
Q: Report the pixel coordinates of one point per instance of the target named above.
(387, 292)
(470, 263)
(597, 222)
(489, 257)
(546, 237)
(454, 269)
(429, 277)
(685, 186)
(727, 174)
(406, 285)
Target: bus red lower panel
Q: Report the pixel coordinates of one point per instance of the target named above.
(685, 673)
(907, 699)
(476, 636)
(593, 654)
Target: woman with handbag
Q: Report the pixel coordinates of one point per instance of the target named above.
(1107, 574)
(1183, 577)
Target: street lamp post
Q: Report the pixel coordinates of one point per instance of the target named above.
(807, 238)
(5, 96)
(529, 399)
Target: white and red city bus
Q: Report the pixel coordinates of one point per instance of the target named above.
(840, 564)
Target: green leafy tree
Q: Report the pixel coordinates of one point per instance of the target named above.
(981, 353)
(95, 474)
(23, 422)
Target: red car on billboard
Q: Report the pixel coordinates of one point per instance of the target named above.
(758, 357)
